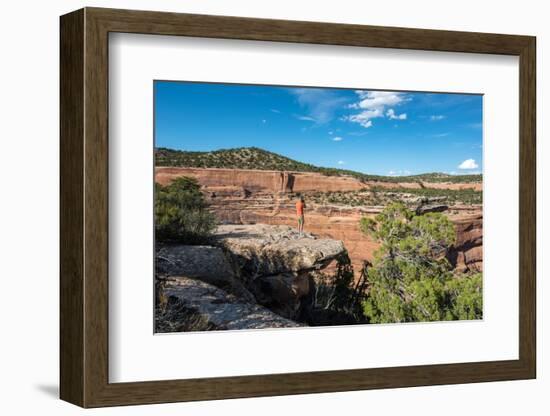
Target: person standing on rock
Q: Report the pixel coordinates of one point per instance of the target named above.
(300, 206)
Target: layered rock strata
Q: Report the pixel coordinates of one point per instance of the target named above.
(263, 197)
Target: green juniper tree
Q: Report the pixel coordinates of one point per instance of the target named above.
(181, 213)
(411, 279)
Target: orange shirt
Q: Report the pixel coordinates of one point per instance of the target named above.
(300, 208)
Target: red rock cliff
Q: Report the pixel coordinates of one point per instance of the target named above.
(255, 196)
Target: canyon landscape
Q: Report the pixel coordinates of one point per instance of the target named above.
(268, 270)
(240, 196)
(295, 207)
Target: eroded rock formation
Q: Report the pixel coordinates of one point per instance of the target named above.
(219, 309)
(262, 249)
(278, 181)
(467, 254)
(250, 274)
(263, 197)
(206, 263)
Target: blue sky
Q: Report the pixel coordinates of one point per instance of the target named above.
(378, 132)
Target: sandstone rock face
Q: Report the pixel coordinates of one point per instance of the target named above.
(467, 255)
(342, 223)
(220, 309)
(226, 191)
(205, 263)
(278, 181)
(260, 180)
(253, 197)
(263, 250)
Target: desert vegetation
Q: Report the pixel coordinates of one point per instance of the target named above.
(411, 279)
(338, 297)
(378, 196)
(173, 315)
(181, 213)
(260, 159)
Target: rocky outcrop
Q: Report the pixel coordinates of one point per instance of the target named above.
(263, 250)
(467, 253)
(218, 309)
(274, 262)
(205, 263)
(248, 268)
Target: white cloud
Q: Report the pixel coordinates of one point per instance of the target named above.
(364, 117)
(377, 99)
(264, 121)
(372, 104)
(341, 162)
(392, 116)
(437, 117)
(331, 133)
(440, 135)
(337, 139)
(273, 110)
(468, 164)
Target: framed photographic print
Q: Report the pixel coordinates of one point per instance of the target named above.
(255, 207)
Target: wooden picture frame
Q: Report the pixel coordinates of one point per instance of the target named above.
(84, 207)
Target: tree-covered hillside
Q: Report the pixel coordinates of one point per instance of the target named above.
(256, 158)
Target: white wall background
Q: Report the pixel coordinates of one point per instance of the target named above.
(29, 210)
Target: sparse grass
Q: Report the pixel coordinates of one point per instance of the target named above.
(411, 197)
(337, 298)
(174, 316)
(448, 196)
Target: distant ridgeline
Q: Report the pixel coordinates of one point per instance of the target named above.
(256, 158)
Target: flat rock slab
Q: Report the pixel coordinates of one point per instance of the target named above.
(222, 309)
(192, 261)
(206, 263)
(264, 249)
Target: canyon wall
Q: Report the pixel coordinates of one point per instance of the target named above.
(250, 197)
(278, 181)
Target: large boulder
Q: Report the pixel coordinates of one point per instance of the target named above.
(264, 250)
(210, 307)
(205, 263)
